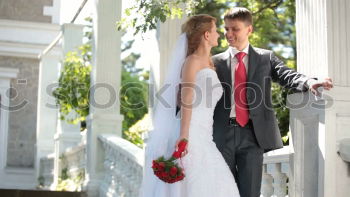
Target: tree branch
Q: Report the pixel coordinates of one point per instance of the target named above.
(272, 5)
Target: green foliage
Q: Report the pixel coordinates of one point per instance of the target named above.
(72, 93)
(133, 96)
(134, 137)
(144, 15)
(41, 181)
(135, 132)
(215, 8)
(133, 99)
(133, 92)
(67, 183)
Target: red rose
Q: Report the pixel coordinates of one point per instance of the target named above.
(167, 179)
(165, 174)
(181, 148)
(177, 154)
(168, 170)
(154, 165)
(182, 145)
(158, 173)
(173, 171)
(179, 178)
(161, 165)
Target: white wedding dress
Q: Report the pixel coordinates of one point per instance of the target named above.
(206, 172)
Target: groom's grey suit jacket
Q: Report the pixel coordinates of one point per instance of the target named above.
(263, 68)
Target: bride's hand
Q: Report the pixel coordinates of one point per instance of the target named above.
(177, 145)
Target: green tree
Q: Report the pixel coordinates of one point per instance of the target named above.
(134, 91)
(144, 15)
(215, 9)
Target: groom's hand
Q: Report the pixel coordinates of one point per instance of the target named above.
(327, 84)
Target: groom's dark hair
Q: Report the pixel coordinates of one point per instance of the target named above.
(240, 13)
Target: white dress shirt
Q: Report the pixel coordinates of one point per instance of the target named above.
(233, 51)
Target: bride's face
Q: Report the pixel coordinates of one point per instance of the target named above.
(213, 36)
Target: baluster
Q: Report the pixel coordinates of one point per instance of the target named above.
(123, 173)
(266, 186)
(279, 180)
(118, 172)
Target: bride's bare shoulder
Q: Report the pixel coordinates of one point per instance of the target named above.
(192, 64)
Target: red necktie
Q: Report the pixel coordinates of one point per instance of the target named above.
(240, 91)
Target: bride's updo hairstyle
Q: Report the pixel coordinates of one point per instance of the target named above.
(194, 28)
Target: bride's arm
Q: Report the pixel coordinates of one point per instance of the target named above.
(187, 93)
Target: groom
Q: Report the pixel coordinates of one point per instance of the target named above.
(245, 125)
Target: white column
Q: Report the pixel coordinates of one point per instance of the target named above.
(67, 135)
(168, 33)
(323, 32)
(105, 84)
(47, 109)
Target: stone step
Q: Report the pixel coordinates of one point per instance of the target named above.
(38, 193)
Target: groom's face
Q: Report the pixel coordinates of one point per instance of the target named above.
(237, 33)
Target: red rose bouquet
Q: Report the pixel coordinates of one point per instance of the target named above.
(166, 169)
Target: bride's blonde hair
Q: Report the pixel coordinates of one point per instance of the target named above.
(194, 28)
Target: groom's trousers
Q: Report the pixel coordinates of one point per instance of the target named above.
(245, 158)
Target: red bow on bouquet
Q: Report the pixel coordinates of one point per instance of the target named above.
(167, 170)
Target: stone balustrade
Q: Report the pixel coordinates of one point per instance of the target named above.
(74, 161)
(344, 149)
(46, 174)
(275, 173)
(124, 162)
(123, 167)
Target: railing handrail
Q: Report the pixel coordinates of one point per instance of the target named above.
(130, 150)
(279, 155)
(59, 36)
(72, 150)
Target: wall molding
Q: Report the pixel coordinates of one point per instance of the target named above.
(27, 39)
(26, 50)
(29, 25)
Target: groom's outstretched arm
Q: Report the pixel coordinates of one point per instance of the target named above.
(286, 76)
(291, 79)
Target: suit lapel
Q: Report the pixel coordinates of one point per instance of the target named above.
(253, 63)
(227, 68)
(224, 71)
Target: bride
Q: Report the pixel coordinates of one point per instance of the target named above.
(207, 174)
